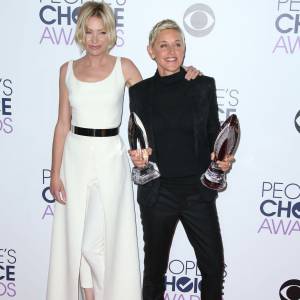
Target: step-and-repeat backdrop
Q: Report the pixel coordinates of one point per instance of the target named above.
(252, 48)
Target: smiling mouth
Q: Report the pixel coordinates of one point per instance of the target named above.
(171, 59)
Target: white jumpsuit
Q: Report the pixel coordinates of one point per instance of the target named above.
(94, 242)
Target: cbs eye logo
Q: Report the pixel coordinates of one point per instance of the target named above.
(199, 20)
(290, 290)
(297, 121)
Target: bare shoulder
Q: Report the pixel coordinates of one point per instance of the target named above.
(63, 75)
(127, 64)
(63, 69)
(131, 73)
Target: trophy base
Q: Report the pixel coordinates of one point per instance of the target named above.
(147, 174)
(214, 178)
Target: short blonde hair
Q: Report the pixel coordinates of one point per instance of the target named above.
(94, 9)
(162, 25)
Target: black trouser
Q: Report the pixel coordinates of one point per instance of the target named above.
(196, 209)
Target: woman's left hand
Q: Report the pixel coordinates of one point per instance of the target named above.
(191, 72)
(226, 164)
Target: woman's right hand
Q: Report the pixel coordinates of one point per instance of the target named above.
(140, 158)
(57, 189)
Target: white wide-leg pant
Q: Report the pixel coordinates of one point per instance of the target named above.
(94, 241)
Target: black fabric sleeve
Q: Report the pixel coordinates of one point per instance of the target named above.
(213, 123)
(132, 99)
(136, 100)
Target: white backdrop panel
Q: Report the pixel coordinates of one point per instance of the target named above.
(255, 63)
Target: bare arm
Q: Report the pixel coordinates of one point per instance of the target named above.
(61, 130)
(131, 73)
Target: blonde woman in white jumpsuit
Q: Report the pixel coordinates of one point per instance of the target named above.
(94, 244)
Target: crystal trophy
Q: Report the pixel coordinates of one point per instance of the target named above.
(226, 144)
(137, 137)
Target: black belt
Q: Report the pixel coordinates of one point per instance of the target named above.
(95, 132)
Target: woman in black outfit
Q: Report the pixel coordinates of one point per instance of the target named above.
(181, 120)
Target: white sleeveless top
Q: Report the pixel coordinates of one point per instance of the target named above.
(97, 104)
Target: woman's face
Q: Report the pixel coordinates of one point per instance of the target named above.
(168, 51)
(96, 37)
